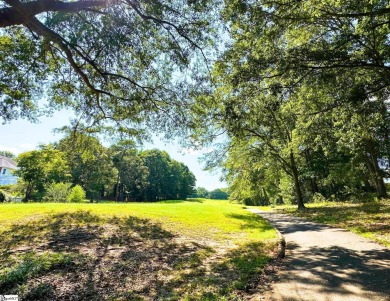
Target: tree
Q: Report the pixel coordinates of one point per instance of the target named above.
(132, 180)
(184, 180)
(39, 168)
(201, 192)
(114, 61)
(218, 194)
(252, 174)
(293, 70)
(90, 165)
(7, 154)
(168, 179)
(328, 57)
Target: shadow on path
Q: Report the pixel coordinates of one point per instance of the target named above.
(326, 263)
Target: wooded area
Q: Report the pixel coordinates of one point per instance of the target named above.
(118, 173)
(298, 90)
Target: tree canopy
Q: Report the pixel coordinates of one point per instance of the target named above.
(302, 97)
(122, 62)
(119, 172)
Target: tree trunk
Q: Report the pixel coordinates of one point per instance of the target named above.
(379, 178)
(373, 167)
(297, 185)
(117, 188)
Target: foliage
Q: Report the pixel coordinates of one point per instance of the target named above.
(5, 196)
(90, 164)
(8, 188)
(38, 168)
(31, 266)
(201, 192)
(7, 154)
(132, 179)
(112, 62)
(168, 178)
(57, 192)
(76, 195)
(218, 194)
(301, 95)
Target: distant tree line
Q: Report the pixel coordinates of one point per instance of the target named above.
(119, 172)
(216, 194)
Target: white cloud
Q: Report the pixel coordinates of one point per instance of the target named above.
(17, 149)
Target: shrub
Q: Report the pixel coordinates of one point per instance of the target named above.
(57, 192)
(77, 195)
(318, 198)
(5, 197)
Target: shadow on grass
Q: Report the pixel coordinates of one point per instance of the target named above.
(251, 221)
(86, 257)
(181, 201)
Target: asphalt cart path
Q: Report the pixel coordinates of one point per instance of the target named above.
(324, 263)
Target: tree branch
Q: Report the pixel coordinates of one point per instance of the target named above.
(19, 13)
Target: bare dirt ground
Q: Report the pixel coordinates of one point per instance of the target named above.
(327, 264)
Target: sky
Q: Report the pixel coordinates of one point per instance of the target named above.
(20, 135)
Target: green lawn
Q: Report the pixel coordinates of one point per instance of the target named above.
(371, 219)
(192, 250)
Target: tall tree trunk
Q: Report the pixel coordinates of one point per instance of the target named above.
(117, 188)
(297, 185)
(373, 167)
(379, 178)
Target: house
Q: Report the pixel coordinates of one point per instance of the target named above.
(7, 167)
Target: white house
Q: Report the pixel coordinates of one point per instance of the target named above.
(7, 167)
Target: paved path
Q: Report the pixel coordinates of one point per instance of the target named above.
(328, 264)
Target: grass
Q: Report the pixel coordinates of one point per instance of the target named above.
(191, 250)
(370, 219)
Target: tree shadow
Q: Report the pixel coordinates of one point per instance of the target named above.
(190, 200)
(334, 270)
(371, 218)
(251, 221)
(81, 256)
(290, 224)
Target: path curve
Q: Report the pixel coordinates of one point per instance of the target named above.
(324, 263)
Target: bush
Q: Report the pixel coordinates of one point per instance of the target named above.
(57, 192)
(318, 198)
(5, 197)
(77, 195)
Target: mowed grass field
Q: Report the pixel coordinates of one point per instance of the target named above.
(175, 250)
(370, 219)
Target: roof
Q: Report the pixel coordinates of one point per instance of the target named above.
(7, 163)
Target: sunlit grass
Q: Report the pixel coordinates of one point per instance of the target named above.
(174, 250)
(218, 220)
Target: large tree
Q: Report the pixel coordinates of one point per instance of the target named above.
(90, 164)
(39, 168)
(119, 61)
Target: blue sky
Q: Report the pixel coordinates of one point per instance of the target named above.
(20, 136)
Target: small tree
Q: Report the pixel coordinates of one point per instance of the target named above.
(57, 192)
(77, 195)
